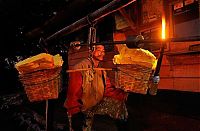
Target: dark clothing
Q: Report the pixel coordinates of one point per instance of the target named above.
(106, 123)
(99, 123)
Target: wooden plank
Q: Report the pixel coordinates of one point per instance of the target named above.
(151, 11)
(181, 46)
(186, 84)
(180, 77)
(195, 47)
(180, 71)
(166, 83)
(128, 19)
(184, 59)
(166, 60)
(166, 71)
(181, 84)
(187, 71)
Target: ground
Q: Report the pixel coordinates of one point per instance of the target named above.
(167, 111)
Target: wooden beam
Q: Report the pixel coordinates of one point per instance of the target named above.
(128, 19)
(93, 17)
(62, 17)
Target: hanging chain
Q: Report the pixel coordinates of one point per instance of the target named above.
(91, 40)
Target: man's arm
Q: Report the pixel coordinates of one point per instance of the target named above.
(113, 92)
(74, 93)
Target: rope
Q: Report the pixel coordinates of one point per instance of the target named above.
(90, 59)
(91, 40)
(90, 22)
(46, 113)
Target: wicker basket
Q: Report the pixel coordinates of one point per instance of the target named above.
(132, 78)
(42, 84)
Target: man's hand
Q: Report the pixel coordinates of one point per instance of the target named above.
(156, 79)
(75, 45)
(153, 87)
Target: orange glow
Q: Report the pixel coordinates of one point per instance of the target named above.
(163, 28)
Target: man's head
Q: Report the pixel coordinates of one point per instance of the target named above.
(98, 53)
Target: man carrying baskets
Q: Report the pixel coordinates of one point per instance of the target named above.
(92, 103)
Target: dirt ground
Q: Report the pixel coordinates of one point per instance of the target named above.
(167, 111)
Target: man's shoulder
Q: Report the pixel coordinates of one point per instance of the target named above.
(82, 64)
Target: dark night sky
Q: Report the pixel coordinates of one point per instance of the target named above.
(20, 16)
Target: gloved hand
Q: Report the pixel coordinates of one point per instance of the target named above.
(75, 45)
(156, 79)
(78, 121)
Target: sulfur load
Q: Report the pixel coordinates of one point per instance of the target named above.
(134, 56)
(134, 69)
(39, 62)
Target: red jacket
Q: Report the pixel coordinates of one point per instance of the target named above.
(74, 93)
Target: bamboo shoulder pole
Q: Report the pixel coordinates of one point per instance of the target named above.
(108, 69)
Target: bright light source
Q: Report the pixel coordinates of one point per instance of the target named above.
(163, 28)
